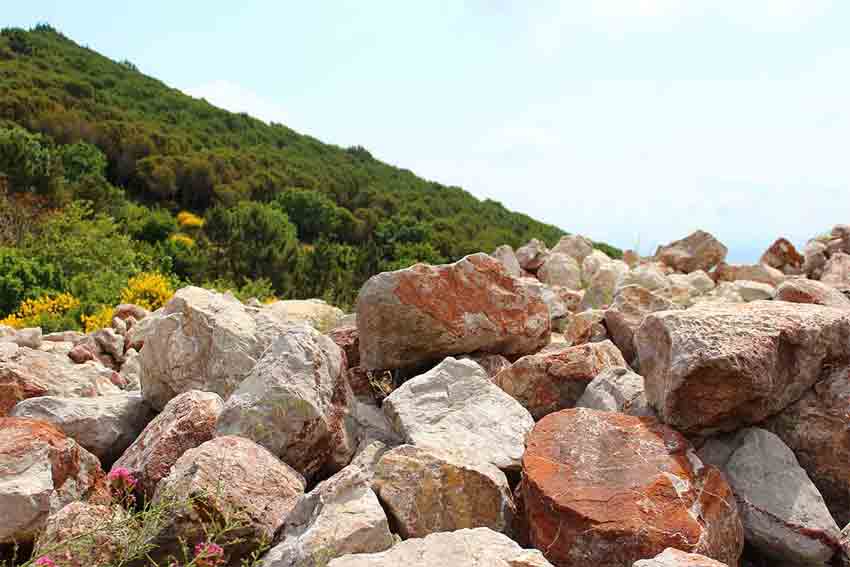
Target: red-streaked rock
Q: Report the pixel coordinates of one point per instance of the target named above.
(425, 313)
(347, 338)
(698, 251)
(783, 256)
(817, 429)
(555, 378)
(719, 367)
(675, 558)
(41, 470)
(532, 255)
(802, 290)
(603, 488)
(186, 421)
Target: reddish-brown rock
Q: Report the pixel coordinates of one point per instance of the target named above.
(804, 290)
(604, 488)
(555, 378)
(755, 273)
(186, 421)
(698, 251)
(491, 363)
(783, 256)
(425, 313)
(720, 367)
(817, 429)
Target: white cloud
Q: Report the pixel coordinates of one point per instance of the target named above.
(236, 98)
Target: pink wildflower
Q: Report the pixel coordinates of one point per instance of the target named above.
(45, 561)
(209, 554)
(123, 476)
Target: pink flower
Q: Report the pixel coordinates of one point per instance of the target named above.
(123, 476)
(45, 561)
(209, 554)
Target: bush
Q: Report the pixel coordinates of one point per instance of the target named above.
(40, 311)
(24, 278)
(148, 290)
(97, 320)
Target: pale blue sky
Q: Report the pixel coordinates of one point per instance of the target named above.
(631, 121)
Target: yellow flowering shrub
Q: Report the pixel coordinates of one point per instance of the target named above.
(189, 220)
(98, 320)
(45, 306)
(187, 241)
(150, 290)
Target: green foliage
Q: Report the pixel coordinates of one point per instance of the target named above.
(27, 161)
(22, 277)
(81, 160)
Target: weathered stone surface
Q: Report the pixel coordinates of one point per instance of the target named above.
(604, 283)
(429, 490)
(424, 313)
(235, 478)
(104, 426)
(455, 405)
(126, 310)
(686, 288)
(783, 256)
(63, 337)
(743, 363)
(555, 378)
(674, 558)
(574, 245)
(648, 276)
(347, 338)
(631, 304)
(592, 263)
(801, 290)
(27, 373)
(836, 272)
(814, 258)
(753, 291)
(585, 327)
(110, 343)
(560, 270)
(755, 273)
(783, 514)
(294, 402)
(491, 363)
(532, 255)
(186, 421)
(317, 313)
(340, 516)
(41, 470)
(603, 488)
(617, 389)
(506, 255)
(817, 429)
(131, 370)
(202, 340)
(476, 547)
(82, 534)
(29, 337)
(698, 251)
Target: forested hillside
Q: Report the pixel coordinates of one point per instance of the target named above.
(106, 174)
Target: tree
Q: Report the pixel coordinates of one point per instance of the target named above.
(314, 214)
(28, 162)
(81, 160)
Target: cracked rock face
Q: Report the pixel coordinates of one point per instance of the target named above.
(743, 362)
(425, 313)
(783, 514)
(674, 558)
(603, 488)
(461, 548)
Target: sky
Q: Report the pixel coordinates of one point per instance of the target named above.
(633, 122)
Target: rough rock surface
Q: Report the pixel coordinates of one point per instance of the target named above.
(82, 534)
(41, 470)
(473, 548)
(603, 285)
(560, 270)
(235, 478)
(585, 327)
(491, 363)
(631, 304)
(784, 515)
(506, 255)
(455, 405)
(294, 402)
(698, 251)
(430, 490)
(753, 291)
(783, 256)
(105, 426)
(27, 373)
(555, 378)
(801, 290)
(341, 515)
(648, 276)
(574, 245)
(532, 255)
(617, 389)
(186, 421)
(836, 272)
(603, 488)
(424, 313)
(674, 558)
(347, 338)
(753, 272)
(592, 263)
(814, 258)
(743, 362)
(314, 312)
(202, 340)
(817, 429)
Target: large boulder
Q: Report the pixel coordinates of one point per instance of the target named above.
(603, 488)
(83, 534)
(817, 428)
(41, 470)
(617, 389)
(784, 515)
(555, 378)
(814, 258)
(341, 515)
(574, 245)
(105, 426)
(532, 255)
(186, 421)
(230, 478)
(294, 402)
(783, 256)
(754, 272)
(672, 557)
(424, 313)
(27, 373)
(506, 255)
(560, 270)
(603, 285)
(314, 312)
(203, 340)
(803, 290)
(455, 405)
(648, 276)
(749, 290)
(592, 263)
(461, 548)
(698, 251)
(631, 304)
(430, 490)
(836, 272)
(716, 368)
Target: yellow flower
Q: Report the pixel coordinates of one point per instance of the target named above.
(187, 241)
(148, 289)
(31, 309)
(189, 220)
(98, 320)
